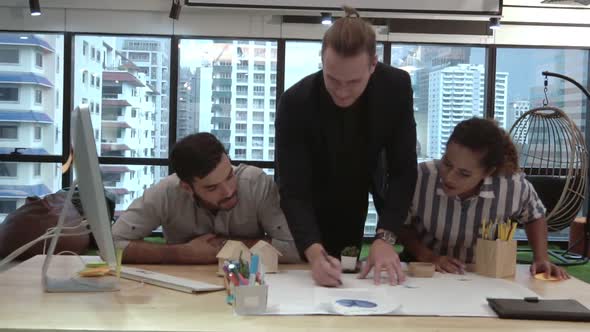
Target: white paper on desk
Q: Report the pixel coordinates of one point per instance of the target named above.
(294, 293)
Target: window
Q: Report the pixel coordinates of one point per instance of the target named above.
(242, 116)
(257, 154)
(8, 170)
(303, 58)
(519, 83)
(85, 48)
(257, 141)
(84, 77)
(37, 169)
(91, 107)
(520, 88)
(115, 54)
(241, 140)
(8, 132)
(242, 90)
(39, 60)
(258, 116)
(8, 93)
(271, 142)
(448, 83)
(259, 90)
(259, 65)
(259, 78)
(260, 52)
(225, 80)
(9, 56)
(240, 153)
(7, 206)
(117, 177)
(242, 77)
(56, 98)
(38, 96)
(259, 103)
(258, 129)
(241, 128)
(38, 133)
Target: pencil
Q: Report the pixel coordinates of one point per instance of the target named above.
(326, 257)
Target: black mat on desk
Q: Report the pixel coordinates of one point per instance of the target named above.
(533, 308)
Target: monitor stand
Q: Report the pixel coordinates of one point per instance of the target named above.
(73, 282)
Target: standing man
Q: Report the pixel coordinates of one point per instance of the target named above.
(331, 130)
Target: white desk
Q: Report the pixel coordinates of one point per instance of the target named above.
(25, 307)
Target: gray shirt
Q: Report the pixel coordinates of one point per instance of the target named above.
(257, 214)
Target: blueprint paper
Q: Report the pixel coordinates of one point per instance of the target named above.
(294, 293)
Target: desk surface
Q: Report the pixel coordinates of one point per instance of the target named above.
(24, 306)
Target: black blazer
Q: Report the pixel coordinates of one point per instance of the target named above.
(301, 158)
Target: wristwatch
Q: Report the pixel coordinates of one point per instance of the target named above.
(386, 236)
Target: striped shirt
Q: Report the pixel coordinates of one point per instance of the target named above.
(450, 226)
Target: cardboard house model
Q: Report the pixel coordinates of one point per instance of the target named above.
(269, 255)
(231, 251)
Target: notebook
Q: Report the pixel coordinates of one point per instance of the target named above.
(534, 308)
(167, 281)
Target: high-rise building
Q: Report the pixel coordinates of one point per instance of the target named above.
(150, 55)
(456, 94)
(188, 106)
(31, 77)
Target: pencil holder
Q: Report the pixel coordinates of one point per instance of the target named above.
(250, 300)
(495, 259)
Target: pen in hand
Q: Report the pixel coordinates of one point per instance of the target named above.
(327, 258)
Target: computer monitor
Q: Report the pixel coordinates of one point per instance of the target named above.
(94, 204)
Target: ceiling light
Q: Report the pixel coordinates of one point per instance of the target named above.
(326, 18)
(175, 10)
(35, 7)
(495, 23)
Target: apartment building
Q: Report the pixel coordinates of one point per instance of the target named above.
(31, 72)
(456, 93)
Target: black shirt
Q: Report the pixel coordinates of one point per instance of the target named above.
(347, 178)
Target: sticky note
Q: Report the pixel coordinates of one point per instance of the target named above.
(541, 276)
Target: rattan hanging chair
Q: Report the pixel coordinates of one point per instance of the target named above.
(553, 154)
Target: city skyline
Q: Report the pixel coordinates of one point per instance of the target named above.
(224, 95)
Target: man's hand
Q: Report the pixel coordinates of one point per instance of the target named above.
(382, 256)
(202, 247)
(446, 264)
(550, 269)
(325, 270)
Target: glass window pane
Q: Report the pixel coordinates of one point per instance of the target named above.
(125, 80)
(128, 182)
(29, 102)
(224, 87)
(522, 69)
(303, 58)
(9, 54)
(522, 90)
(448, 84)
(20, 180)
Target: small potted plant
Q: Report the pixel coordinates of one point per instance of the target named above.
(348, 258)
